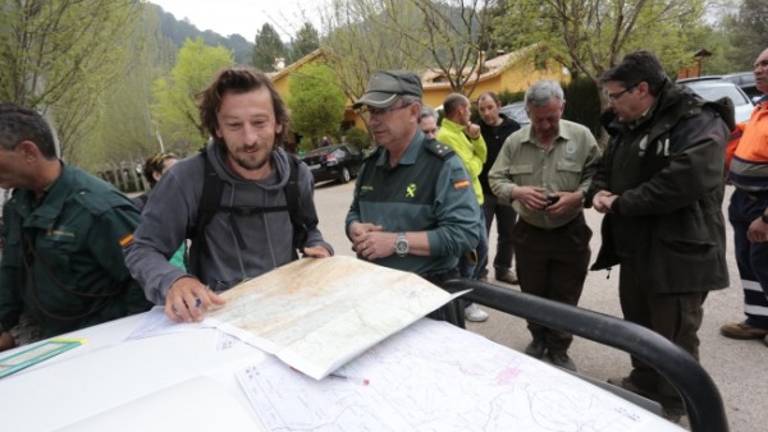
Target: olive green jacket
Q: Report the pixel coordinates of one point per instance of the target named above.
(63, 259)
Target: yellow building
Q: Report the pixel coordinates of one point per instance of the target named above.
(513, 72)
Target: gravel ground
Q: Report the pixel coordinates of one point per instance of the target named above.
(734, 365)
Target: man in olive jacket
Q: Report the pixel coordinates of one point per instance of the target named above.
(660, 185)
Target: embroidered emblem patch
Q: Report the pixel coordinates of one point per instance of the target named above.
(410, 191)
(126, 240)
(462, 184)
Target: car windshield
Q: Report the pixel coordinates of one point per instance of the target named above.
(713, 93)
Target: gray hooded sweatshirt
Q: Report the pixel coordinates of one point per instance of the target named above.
(172, 210)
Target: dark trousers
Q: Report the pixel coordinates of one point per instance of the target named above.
(677, 317)
(552, 264)
(751, 258)
(452, 312)
(506, 217)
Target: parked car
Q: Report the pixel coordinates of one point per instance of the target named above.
(713, 89)
(746, 82)
(516, 111)
(334, 162)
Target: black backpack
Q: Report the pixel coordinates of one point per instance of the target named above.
(210, 204)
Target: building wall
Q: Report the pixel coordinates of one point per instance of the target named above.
(515, 78)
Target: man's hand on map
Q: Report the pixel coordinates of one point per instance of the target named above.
(316, 252)
(6, 341)
(375, 244)
(188, 300)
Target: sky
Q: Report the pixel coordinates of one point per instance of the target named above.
(245, 17)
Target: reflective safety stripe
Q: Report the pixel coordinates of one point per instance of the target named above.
(750, 285)
(756, 310)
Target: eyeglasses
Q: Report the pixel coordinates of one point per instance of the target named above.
(371, 111)
(617, 95)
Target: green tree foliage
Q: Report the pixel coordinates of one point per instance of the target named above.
(316, 103)
(268, 49)
(174, 108)
(359, 44)
(590, 36)
(307, 40)
(58, 57)
(748, 30)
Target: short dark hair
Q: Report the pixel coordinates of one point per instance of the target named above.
(155, 164)
(491, 95)
(453, 102)
(19, 124)
(635, 68)
(240, 79)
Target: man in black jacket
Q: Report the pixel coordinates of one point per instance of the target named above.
(661, 187)
(495, 128)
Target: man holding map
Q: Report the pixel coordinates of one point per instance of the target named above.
(244, 202)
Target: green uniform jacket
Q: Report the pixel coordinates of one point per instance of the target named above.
(428, 190)
(472, 152)
(63, 260)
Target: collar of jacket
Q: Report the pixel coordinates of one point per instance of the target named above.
(45, 214)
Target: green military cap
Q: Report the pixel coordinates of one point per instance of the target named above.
(385, 86)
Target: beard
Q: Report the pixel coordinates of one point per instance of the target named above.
(251, 163)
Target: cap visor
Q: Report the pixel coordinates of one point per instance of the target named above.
(376, 100)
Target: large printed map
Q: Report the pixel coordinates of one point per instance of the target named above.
(434, 377)
(317, 314)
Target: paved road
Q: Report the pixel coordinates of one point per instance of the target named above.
(737, 367)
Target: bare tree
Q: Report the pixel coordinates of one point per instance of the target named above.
(57, 56)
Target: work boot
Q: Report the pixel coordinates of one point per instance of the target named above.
(742, 330)
(627, 384)
(507, 276)
(535, 349)
(673, 413)
(561, 360)
(474, 313)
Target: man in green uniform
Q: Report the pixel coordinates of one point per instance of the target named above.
(413, 208)
(546, 168)
(64, 233)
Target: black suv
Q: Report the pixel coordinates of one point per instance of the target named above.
(335, 162)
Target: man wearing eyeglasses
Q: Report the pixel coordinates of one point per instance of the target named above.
(414, 208)
(660, 185)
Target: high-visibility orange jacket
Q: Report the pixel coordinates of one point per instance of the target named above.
(747, 152)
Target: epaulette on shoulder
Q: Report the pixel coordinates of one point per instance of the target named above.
(98, 202)
(438, 149)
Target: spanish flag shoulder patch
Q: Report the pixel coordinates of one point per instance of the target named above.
(462, 184)
(126, 240)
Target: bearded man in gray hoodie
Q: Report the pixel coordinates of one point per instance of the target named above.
(245, 203)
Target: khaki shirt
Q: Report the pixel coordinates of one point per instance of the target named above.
(568, 166)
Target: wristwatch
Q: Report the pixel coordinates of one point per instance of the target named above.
(401, 245)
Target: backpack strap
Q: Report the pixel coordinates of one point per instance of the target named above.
(302, 222)
(210, 201)
(210, 204)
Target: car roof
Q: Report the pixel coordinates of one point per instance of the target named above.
(701, 78)
(713, 83)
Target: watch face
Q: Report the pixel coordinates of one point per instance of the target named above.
(401, 247)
